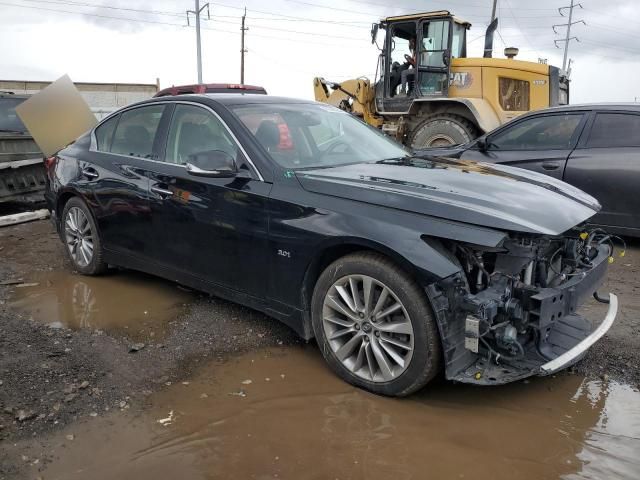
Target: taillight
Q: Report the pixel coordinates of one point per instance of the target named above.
(50, 163)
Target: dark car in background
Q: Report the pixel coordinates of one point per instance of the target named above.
(593, 147)
(397, 265)
(22, 174)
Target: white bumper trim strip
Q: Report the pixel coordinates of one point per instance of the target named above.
(570, 355)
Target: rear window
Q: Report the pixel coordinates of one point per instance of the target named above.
(615, 130)
(9, 120)
(104, 134)
(514, 94)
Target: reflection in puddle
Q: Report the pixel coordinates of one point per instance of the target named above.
(126, 302)
(299, 421)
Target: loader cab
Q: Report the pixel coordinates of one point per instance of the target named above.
(439, 37)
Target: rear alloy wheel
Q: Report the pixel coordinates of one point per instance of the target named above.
(441, 130)
(83, 246)
(374, 325)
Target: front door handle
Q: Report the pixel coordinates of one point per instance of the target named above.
(163, 192)
(550, 166)
(90, 173)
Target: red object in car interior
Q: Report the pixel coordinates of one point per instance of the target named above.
(285, 137)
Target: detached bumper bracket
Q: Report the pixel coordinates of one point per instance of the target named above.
(568, 357)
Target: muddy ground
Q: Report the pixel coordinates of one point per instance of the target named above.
(52, 376)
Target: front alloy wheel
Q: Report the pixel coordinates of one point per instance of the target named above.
(368, 328)
(374, 325)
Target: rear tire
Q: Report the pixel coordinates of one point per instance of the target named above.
(82, 243)
(401, 352)
(441, 130)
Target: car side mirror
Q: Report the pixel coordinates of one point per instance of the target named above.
(481, 143)
(212, 163)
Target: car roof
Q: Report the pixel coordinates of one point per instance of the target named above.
(228, 99)
(239, 99)
(632, 106)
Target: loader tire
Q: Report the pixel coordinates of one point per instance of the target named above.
(441, 130)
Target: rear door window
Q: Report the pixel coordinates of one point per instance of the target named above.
(136, 131)
(615, 130)
(549, 132)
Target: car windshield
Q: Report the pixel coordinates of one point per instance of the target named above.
(9, 120)
(310, 135)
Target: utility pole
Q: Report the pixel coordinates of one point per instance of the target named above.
(493, 10)
(198, 10)
(242, 49)
(568, 36)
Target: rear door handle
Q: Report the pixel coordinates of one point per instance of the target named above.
(163, 192)
(90, 173)
(550, 166)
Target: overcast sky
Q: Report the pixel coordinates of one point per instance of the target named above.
(291, 41)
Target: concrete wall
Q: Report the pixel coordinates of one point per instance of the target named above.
(99, 96)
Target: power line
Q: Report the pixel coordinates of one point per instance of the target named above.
(109, 7)
(94, 15)
(155, 22)
(518, 26)
(315, 34)
(291, 17)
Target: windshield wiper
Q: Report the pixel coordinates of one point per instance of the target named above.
(394, 159)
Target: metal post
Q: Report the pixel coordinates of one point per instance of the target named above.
(493, 10)
(242, 49)
(568, 36)
(566, 39)
(199, 48)
(197, 13)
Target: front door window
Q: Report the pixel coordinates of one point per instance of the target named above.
(548, 132)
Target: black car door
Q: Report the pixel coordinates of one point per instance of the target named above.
(541, 143)
(115, 176)
(606, 164)
(208, 228)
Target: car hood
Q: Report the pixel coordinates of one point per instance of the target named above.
(496, 196)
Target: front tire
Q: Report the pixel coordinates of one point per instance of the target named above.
(81, 239)
(441, 130)
(374, 325)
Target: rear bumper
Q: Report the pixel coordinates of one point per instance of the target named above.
(571, 356)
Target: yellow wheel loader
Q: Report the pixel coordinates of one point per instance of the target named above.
(427, 93)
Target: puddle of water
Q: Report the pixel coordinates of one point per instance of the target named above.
(129, 303)
(297, 421)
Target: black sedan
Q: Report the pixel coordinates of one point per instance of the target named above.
(397, 265)
(594, 147)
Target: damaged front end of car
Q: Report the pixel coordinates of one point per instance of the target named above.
(512, 310)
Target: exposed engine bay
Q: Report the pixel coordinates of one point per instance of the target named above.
(516, 305)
